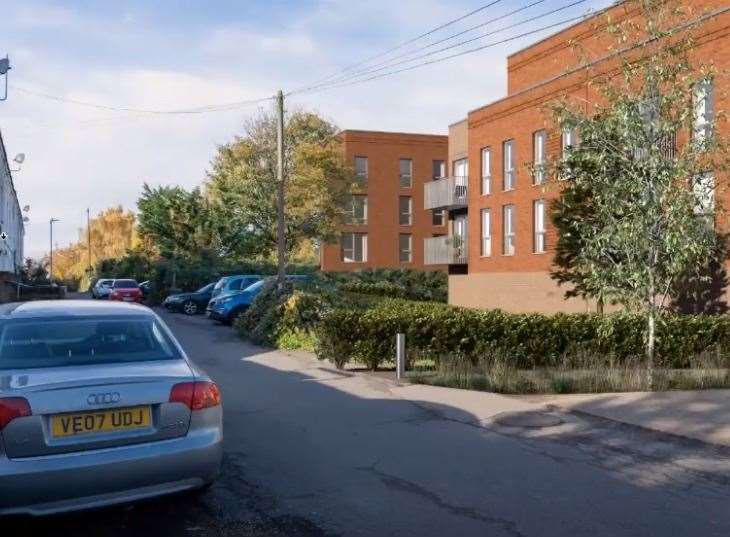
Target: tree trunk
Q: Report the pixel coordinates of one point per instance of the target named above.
(599, 306)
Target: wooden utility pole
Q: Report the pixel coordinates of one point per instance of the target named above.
(281, 229)
(88, 240)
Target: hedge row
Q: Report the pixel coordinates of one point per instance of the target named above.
(531, 340)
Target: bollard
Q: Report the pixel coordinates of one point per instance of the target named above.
(400, 356)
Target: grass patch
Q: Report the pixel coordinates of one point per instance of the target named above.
(598, 375)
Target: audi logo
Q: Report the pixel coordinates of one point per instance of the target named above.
(103, 398)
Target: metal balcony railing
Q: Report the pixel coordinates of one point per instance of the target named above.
(446, 250)
(447, 193)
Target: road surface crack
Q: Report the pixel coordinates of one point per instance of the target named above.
(409, 487)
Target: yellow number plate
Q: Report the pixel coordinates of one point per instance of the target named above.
(118, 419)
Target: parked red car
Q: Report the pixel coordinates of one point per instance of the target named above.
(126, 291)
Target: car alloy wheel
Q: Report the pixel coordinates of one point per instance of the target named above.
(190, 308)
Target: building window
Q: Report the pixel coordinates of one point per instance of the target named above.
(354, 247)
(539, 141)
(538, 218)
(439, 217)
(486, 233)
(406, 172)
(704, 111)
(704, 191)
(405, 210)
(439, 169)
(508, 157)
(508, 229)
(486, 171)
(461, 169)
(405, 248)
(356, 210)
(361, 169)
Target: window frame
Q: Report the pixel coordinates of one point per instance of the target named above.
(486, 178)
(539, 228)
(402, 176)
(363, 247)
(401, 213)
(486, 233)
(408, 250)
(539, 157)
(442, 169)
(509, 173)
(350, 212)
(362, 177)
(703, 127)
(442, 220)
(509, 236)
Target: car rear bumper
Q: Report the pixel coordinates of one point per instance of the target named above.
(218, 315)
(74, 481)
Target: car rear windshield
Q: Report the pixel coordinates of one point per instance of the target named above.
(53, 343)
(125, 284)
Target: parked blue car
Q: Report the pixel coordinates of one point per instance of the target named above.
(238, 282)
(226, 307)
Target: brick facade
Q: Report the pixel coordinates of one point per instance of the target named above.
(538, 75)
(383, 189)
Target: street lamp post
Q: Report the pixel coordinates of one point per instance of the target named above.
(50, 269)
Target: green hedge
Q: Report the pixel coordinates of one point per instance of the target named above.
(531, 340)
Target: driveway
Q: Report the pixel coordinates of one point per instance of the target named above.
(311, 451)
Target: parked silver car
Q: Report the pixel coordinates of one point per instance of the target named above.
(99, 405)
(102, 288)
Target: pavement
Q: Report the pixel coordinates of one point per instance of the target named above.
(311, 451)
(699, 415)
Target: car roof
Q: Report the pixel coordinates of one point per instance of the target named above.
(70, 308)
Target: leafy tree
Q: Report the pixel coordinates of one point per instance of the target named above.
(242, 184)
(636, 212)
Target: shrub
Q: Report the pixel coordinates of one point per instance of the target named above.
(532, 340)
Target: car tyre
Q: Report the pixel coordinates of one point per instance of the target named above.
(190, 308)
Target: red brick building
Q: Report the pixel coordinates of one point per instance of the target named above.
(500, 242)
(387, 221)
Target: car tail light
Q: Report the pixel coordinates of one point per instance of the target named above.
(196, 395)
(11, 408)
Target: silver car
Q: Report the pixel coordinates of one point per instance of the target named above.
(99, 405)
(102, 288)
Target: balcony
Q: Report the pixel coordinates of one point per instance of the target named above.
(446, 250)
(446, 193)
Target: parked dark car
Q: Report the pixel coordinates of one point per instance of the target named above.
(190, 303)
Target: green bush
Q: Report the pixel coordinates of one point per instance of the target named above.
(532, 340)
(393, 283)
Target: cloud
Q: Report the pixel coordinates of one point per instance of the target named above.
(148, 56)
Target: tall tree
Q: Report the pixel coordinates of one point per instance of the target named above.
(242, 183)
(636, 214)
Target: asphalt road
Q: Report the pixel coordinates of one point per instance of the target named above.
(310, 452)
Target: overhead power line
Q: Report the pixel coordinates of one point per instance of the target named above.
(182, 111)
(399, 46)
(451, 56)
(445, 39)
(391, 64)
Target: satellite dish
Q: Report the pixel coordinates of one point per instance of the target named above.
(4, 65)
(19, 158)
(26, 208)
(26, 219)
